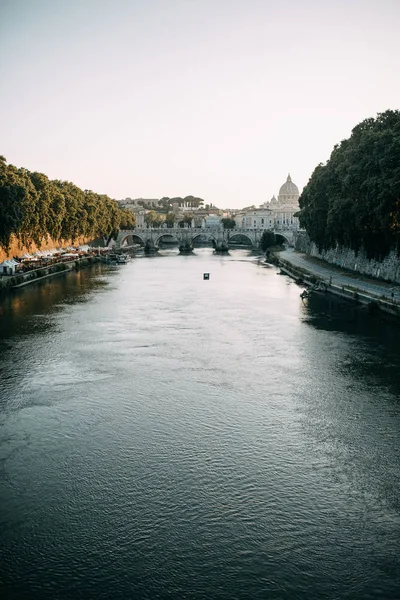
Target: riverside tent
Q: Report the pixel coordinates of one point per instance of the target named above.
(8, 267)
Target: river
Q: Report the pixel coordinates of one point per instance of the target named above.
(167, 437)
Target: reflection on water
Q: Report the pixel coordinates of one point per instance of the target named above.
(162, 436)
(378, 358)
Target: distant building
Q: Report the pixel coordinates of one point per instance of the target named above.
(278, 213)
(212, 221)
(289, 194)
(257, 218)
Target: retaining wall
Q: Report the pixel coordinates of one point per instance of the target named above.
(387, 269)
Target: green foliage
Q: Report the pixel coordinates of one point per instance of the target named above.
(228, 223)
(190, 201)
(186, 219)
(33, 207)
(170, 219)
(267, 240)
(152, 218)
(354, 199)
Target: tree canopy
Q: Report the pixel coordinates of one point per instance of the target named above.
(154, 219)
(354, 199)
(268, 239)
(228, 223)
(33, 207)
(190, 201)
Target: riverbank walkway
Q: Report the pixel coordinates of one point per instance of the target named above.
(344, 278)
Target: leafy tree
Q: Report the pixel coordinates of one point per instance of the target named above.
(151, 218)
(12, 199)
(160, 220)
(268, 239)
(128, 219)
(186, 220)
(170, 219)
(193, 202)
(32, 207)
(165, 203)
(354, 200)
(228, 223)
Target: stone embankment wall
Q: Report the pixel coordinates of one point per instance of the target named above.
(387, 269)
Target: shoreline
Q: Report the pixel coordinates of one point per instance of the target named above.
(9, 283)
(351, 291)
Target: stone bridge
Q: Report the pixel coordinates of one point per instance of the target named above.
(213, 235)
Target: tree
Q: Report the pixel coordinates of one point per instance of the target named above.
(193, 202)
(159, 220)
(186, 220)
(354, 199)
(268, 239)
(33, 207)
(128, 219)
(151, 218)
(228, 223)
(170, 219)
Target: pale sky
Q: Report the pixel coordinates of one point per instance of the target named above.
(215, 98)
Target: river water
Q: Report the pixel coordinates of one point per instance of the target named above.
(162, 436)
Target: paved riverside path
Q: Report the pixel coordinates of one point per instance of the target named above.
(341, 277)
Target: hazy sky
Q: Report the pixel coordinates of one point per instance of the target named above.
(215, 98)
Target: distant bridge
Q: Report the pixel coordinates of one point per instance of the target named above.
(212, 235)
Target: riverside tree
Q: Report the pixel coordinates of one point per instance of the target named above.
(354, 199)
(33, 207)
(268, 239)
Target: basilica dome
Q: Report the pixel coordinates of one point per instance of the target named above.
(289, 188)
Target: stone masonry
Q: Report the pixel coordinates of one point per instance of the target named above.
(387, 269)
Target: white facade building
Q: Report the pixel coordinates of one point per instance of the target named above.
(275, 214)
(212, 221)
(257, 218)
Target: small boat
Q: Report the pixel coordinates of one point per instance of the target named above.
(121, 259)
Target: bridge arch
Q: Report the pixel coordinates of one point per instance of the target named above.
(286, 238)
(132, 235)
(242, 235)
(205, 235)
(165, 234)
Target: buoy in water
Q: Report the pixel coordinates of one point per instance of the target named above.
(206, 275)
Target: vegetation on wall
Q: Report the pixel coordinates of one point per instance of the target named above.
(354, 199)
(33, 207)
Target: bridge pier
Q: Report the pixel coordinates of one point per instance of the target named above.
(149, 247)
(186, 246)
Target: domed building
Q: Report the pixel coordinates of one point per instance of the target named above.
(289, 194)
(277, 214)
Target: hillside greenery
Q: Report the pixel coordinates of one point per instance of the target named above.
(354, 199)
(191, 201)
(33, 207)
